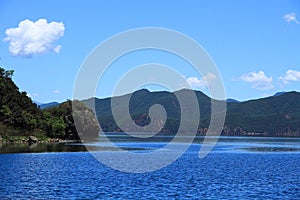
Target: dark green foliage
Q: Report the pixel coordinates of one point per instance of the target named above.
(62, 120)
(19, 116)
(64, 125)
(53, 125)
(16, 108)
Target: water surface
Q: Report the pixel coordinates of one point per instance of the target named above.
(233, 170)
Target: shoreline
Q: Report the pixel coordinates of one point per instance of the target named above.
(52, 145)
(43, 140)
(35, 140)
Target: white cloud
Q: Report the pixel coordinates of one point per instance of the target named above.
(32, 95)
(56, 91)
(259, 80)
(291, 17)
(290, 75)
(206, 81)
(31, 38)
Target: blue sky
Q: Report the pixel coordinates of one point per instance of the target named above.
(255, 44)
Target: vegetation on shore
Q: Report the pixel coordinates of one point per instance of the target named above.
(21, 118)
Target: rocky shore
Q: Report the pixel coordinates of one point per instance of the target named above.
(33, 139)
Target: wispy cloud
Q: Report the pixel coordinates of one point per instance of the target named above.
(31, 38)
(32, 95)
(290, 75)
(291, 17)
(258, 80)
(56, 91)
(201, 83)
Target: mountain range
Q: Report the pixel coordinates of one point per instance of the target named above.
(277, 115)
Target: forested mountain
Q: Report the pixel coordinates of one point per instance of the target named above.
(19, 116)
(277, 115)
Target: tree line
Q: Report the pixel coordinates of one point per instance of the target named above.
(20, 116)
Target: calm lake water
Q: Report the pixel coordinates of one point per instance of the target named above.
(237, 168)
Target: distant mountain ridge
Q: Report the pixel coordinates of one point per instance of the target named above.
(48, 105)
(231, 100)
(277, 115)
(278, 94)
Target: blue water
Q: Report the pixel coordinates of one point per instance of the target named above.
(231, 171)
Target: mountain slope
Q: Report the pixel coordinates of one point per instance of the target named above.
(18, 114)
(273, 116)
(279, 115)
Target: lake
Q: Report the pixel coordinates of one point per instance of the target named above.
(237, 168)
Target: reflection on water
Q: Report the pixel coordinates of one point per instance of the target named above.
(126, 142)
(225, 143)
(271, 149)
(258, 144)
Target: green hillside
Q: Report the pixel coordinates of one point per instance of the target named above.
(279, 115)
(272, 116)
(20, 117)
